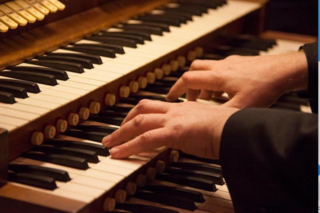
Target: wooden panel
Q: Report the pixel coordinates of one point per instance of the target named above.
(4, 149)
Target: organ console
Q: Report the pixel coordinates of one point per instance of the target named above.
(71, 71)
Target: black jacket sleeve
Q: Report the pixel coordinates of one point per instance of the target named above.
(311, 51)
(269, 160)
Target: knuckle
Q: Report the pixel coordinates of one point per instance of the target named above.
(194, 64)
(137, 121)
(145, 139)
(186, 77)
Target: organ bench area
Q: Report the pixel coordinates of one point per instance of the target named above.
(68, 80)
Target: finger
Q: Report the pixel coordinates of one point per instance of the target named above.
(203, 80)
(178, 89)
(133, 128)
(202, 65)
(147, 107)
(149, 140)
(205, 95)
(192, 95)
(235, 102)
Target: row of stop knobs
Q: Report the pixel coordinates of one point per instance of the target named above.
(94, 107)
(141, 180)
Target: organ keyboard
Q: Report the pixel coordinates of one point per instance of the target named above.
(68, 83)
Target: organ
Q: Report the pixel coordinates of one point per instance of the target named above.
(71, 70)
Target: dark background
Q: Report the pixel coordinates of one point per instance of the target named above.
(293, 16)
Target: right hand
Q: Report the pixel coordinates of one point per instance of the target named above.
(249, 81)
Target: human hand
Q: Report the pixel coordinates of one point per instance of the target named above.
(191, 127)
(249, 81)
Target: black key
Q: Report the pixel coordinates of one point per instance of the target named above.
(29, 76)
(72, 67)
(70, 161)
(92, 50)
(203, 9)
(175, 191)
(93, 58)
(145, 29)
(187, 11)
(114, 40)
(216, 178)
(166, 199)
(28, 86)
(7, 98)
(136, 38)
(33, 180)
(116, 48)
(90, 156)
(18, 92)
(118, 108)
(129, 100)
(168, 16)
(145, 36)
(196, 166)
(89, 135)
(161, 19)
(208, 4)
(94, 128)
(138, 208)
(86, 63)
(194, 182)
(107, 120)
(289, 106)
(184, 15)
(184, 155)
(99, 149)
(157, 89)
(163, 27)
(111, 113)
(58, 74)
(57, 174)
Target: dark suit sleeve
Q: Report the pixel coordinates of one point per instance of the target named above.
(311, 51)
(269, 160)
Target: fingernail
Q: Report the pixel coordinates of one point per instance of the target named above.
(114, 152)
(106, 140)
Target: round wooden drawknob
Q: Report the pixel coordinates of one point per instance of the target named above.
(174, 156)
(134, 86)
(50, 131)
(109, 204)
(141, 180)
(182, 61)
(61, 125)
(160, 166)
(199, 52)
(124, 92)
(192, 55)
(166, 69)
(95, 107)
(110, 100)
(143, 82)
(174, 65)
(84, 113)
(131, 188)
(151, 77)
(159, 73)
(151, 173)
(37, 138)
(73, 119)
(120, 196)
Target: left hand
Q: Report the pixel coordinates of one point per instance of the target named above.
(191, 127)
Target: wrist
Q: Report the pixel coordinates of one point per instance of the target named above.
(295, 75)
